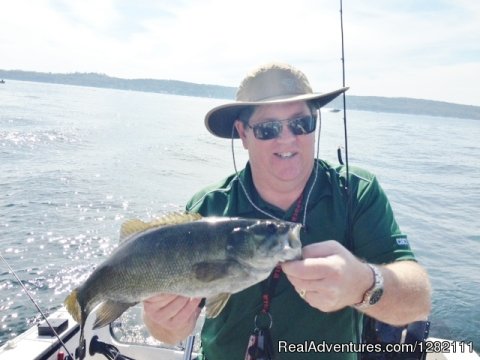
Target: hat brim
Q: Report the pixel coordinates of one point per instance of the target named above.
(219, 121)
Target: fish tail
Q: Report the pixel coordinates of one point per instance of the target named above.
(73, 307)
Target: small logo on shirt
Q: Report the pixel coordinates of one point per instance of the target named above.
(402, 241)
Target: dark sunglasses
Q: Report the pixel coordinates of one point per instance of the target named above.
(272, 129)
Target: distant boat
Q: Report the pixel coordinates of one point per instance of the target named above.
(332, 110)
(2, 81)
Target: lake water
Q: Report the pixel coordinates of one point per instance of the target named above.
(75, 162)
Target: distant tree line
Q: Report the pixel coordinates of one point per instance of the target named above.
(175, 87)
(100, 80)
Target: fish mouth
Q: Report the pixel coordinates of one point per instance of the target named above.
(293, 238)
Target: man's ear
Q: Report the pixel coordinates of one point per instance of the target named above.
(240, 127)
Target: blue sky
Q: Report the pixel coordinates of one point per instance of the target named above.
(426, 49)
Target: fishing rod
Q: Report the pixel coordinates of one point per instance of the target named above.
(343, 95)
(109, 351)
(348, 192)
(36, 305)
(347, 168)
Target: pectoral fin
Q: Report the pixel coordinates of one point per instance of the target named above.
(109, 311)
(215, 305)
(209, 271)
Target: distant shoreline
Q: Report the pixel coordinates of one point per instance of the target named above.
(175, 87)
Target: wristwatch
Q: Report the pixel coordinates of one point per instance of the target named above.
(372, 295)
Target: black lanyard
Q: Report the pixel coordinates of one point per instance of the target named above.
(260, 345)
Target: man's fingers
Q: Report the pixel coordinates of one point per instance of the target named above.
(165, 308)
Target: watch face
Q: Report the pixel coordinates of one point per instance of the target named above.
(376, 295)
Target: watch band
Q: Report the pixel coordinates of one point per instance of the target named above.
(373, 294)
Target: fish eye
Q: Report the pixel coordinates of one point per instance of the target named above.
(271, 228)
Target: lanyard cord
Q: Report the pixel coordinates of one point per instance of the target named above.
(272, 281)
(260, 345)
(270, 284)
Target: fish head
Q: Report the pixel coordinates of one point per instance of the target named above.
(266, 242)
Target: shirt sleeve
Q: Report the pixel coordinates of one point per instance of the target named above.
(376, 234)
(212, 200)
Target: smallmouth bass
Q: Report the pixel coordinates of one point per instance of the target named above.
(186, 255)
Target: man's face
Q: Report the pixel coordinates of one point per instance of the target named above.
(287, 158)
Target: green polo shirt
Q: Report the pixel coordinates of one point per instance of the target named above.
(300, 331)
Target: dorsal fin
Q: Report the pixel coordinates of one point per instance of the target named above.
(175, 218)
(134, 226)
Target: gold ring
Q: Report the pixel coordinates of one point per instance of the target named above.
(302, 293)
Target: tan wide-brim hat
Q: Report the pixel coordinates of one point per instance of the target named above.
(272, 83)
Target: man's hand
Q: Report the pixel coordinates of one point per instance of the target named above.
(170, 318)
(329, 277)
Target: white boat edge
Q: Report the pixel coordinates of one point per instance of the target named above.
(30, 345)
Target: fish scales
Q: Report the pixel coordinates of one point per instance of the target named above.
(163, 260)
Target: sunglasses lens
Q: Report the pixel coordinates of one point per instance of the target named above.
(303, 125)
(267, 130)
(272, 129)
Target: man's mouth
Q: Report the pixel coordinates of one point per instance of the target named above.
(285, 155)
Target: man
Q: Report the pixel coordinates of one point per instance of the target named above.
(316, 300)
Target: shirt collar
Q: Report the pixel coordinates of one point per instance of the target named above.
(244, 207)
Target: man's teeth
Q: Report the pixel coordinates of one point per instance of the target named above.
(285, 155)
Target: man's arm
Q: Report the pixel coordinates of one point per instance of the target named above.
(332, 278)
(406, 297)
